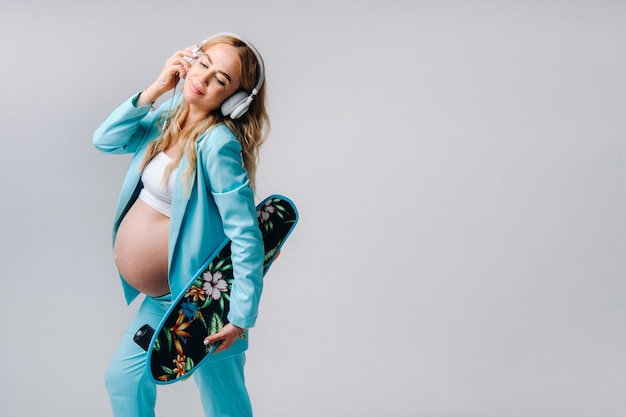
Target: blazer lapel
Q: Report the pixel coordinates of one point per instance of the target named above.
(130, 188)
(180, 199)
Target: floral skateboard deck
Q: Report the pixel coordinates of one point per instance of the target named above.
(176, 347)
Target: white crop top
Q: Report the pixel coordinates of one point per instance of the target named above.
(154, 193)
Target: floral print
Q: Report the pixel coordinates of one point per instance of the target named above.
(189, 309)
(196, 294)
(214, 284)
(265, 212)
(203, 308)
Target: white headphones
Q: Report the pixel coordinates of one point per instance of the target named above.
(238, 104)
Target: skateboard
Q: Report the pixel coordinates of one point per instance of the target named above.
(176, 347)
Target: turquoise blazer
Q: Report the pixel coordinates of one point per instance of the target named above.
(221, 204)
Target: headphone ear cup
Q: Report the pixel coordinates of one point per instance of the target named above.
(233, 102)
(241, 109)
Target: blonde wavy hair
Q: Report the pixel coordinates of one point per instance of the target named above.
(251, 129)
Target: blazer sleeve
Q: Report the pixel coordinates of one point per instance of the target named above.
(125, 128)
(234, 198)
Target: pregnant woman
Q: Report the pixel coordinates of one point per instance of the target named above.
(190, 185)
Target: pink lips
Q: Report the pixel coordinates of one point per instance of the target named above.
(195, 89)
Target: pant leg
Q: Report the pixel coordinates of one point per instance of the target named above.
(131, 391)
(222, 387)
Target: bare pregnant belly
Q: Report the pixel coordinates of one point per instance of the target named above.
(141, 249)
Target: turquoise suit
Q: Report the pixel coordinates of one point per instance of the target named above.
(220, 204)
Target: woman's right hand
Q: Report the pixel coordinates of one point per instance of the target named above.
(175, 68)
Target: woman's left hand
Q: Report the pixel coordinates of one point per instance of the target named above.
(227, 336)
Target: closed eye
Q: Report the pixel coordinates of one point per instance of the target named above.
(222, 73)
(206, 65)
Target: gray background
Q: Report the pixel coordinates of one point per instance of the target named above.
(458, 166)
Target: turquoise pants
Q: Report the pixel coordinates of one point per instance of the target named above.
(133, 394)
